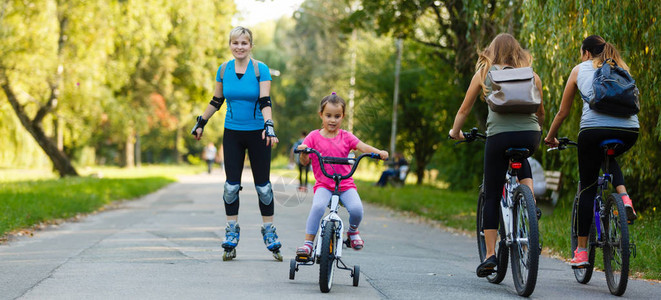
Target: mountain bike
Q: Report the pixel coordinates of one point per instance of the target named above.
(518, 230)
(327, 251)
(609, 230)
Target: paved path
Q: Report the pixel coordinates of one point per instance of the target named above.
(167, 246)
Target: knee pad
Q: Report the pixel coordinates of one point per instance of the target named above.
(265, 193)
(231, 192)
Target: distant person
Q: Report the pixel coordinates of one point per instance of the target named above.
(595, 127)
(330, 140)
(302, 185)
(397, 165)
(209, 154)
(248, 126)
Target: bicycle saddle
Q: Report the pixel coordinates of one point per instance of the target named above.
(517, 153)
(612, 143)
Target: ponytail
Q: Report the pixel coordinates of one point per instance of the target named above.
(602, 51)
(610, 52)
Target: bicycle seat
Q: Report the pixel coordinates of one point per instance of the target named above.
(612, 143)
(517, 154)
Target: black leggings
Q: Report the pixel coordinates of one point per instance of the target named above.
(495, 168)
(590, 159)
(235, 144)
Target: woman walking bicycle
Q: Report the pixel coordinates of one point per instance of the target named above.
(245, 83)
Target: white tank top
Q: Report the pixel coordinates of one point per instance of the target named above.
(591, 118)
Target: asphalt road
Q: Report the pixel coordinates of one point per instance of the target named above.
(167, 246)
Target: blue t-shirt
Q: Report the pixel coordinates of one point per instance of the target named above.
(242, 97)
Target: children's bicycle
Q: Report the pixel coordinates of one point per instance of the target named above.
(518, 230)
(609, 230)
(327, 250)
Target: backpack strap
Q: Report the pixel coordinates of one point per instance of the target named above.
(255, 65)
(222, 70)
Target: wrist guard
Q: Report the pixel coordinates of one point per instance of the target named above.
(217, 102)
(200, 124)
(264, 102)
(268, 127)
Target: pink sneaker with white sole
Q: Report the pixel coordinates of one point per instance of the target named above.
(355, 241)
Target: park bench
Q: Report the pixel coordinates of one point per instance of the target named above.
(553, 184)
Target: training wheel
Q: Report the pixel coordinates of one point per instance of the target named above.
(292, 268)
(356, 275)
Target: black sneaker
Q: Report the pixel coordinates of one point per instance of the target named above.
(488, 267)
(539, 213)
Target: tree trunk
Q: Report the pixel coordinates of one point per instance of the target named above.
(129, 150)
(138, 151)
(177, 138)
(60, 161)
(419, 172)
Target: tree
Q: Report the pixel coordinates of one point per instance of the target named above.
(56, 47)
(555, 30)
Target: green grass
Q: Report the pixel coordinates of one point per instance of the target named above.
(456, 209)
(25, 203)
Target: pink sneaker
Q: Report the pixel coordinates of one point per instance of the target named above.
(304, 251)
(356, 242)
(580, 259)
(628, 205)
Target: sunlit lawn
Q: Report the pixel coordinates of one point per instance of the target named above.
(31, 197)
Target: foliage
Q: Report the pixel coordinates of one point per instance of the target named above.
(554, 30)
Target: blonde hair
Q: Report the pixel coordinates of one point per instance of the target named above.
(601, 51)
(503, 50)
(239, 31)
(334, 99)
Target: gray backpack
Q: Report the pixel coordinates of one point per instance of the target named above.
(513, 90)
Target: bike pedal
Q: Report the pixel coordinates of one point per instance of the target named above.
(630, 222)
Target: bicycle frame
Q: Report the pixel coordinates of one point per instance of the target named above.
(506, 205)
(332, 216)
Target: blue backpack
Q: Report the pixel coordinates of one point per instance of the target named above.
(615, 91)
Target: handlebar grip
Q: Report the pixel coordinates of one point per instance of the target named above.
(375, 155)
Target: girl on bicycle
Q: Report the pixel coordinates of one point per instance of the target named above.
(330, 140)
(504, 131)
(594, 128)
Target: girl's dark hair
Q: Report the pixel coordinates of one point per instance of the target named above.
(601, 51)
(334, 99)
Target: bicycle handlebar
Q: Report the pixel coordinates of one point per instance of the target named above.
(470, 136)
(563, 143)
(323, 160)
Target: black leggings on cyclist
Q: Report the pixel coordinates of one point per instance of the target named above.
(495, 168)
(235, 144)
(590, 159)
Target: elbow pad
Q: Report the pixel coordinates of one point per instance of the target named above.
(264, 102)
(217, 102)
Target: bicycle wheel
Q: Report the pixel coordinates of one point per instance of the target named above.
(327, 257)
(501, 251)
(616, 245)
(583, 275)
(525, 245)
